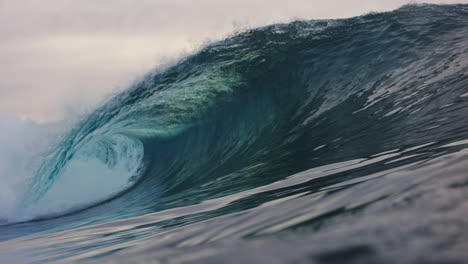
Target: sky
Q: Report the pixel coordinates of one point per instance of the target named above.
(62, 57)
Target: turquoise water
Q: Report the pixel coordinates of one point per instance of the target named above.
(316, 141)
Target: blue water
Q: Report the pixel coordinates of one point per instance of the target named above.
(311, 142)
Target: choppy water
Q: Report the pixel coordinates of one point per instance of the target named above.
(311, 142)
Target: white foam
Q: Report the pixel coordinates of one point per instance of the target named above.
(23, 146)
(20, 143)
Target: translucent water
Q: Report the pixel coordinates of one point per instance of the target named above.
(315, 141)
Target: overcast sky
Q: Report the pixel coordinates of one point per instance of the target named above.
(61, 57)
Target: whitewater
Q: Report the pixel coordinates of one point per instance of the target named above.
(321, 141)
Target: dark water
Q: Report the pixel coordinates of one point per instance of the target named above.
(333, 141)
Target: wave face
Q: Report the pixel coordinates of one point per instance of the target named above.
(328, 133)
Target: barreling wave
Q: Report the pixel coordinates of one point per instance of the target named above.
(340, 128)
(291, 128)
(263, 105)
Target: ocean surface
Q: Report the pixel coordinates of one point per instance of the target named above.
(322, 141)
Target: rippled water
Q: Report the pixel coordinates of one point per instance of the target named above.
(315, 141)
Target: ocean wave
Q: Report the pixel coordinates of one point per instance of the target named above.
(311, 110)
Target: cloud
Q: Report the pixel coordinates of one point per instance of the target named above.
(67, 54)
